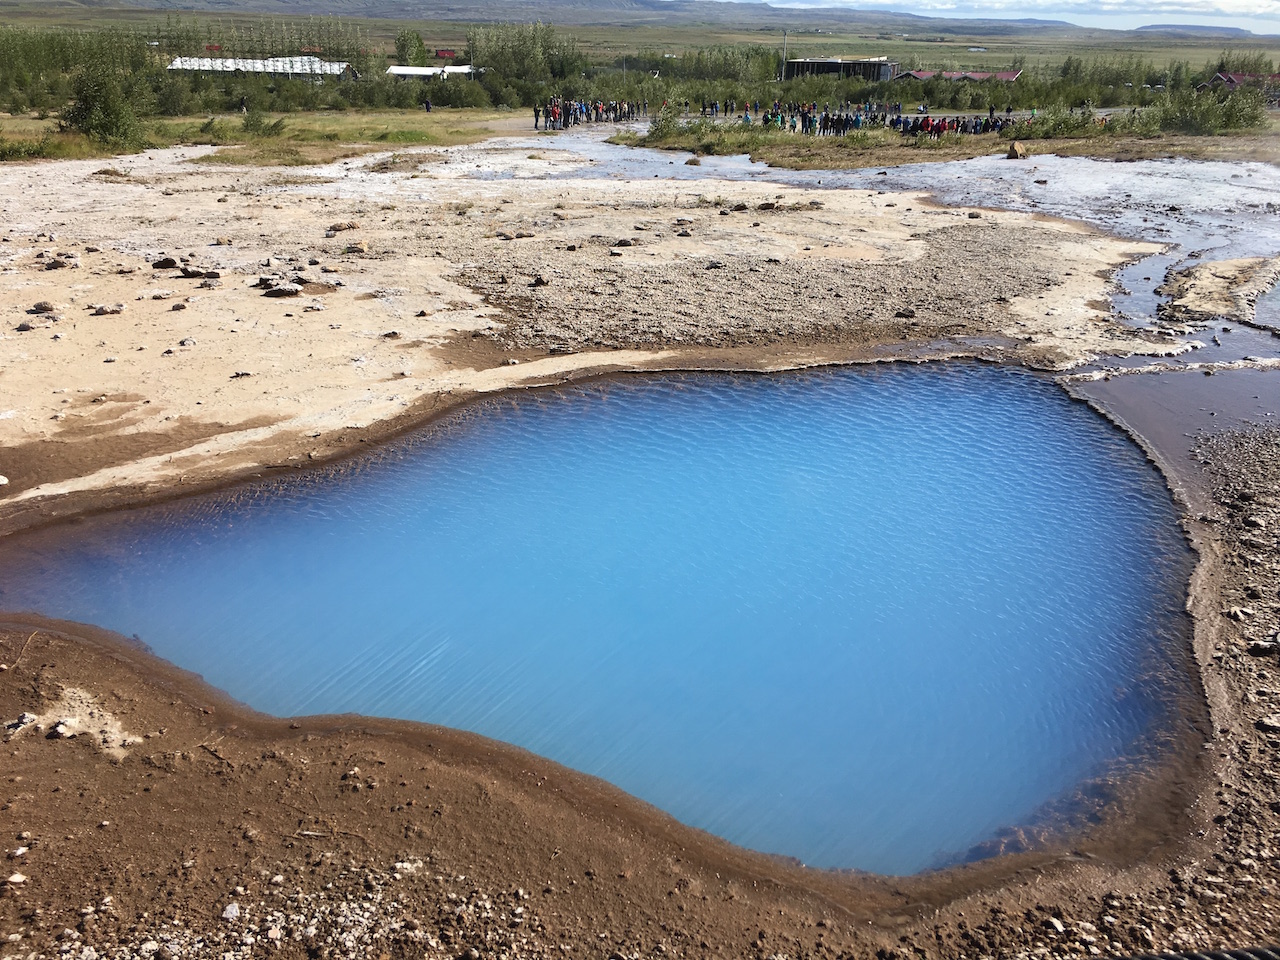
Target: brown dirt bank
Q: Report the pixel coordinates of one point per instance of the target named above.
(198, 804)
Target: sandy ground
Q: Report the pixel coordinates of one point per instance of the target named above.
(441, 288)
(144, 814)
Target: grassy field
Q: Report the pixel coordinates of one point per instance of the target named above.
(885, 148)
(612, 44)
(303, 138)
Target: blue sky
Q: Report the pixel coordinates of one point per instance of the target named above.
(1260, 16)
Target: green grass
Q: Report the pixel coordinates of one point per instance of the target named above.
(300, 138)
(882, 147)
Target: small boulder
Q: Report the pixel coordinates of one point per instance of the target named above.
(222, 242)
(739, 207)
(1269, 724)
(25, 326)
(103, 309)
(360, 246)
(344, 225)
(44, 306)
(232, 912)
(283, 290)
(165, 263)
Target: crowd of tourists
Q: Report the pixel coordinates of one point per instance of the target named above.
(807, 118)
(560, 112)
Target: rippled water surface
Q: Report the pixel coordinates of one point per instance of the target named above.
(865, 618)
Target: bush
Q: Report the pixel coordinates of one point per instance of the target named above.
(1208, 113)
(100, 110)
(25, 149)
(255, 124)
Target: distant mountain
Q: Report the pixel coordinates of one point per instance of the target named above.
(1197, 30)
(746, 15)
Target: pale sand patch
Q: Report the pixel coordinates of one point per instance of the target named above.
(1218, 290)
(424, 303)
(78, 713)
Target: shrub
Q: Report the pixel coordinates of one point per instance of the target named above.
(100, 110)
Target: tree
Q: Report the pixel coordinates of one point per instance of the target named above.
(410, 50)
(100, 110)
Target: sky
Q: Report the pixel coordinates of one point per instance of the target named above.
(1259, 16)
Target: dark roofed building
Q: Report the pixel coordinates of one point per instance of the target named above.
(864, 68)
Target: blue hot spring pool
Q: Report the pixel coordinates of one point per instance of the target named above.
(864, 617)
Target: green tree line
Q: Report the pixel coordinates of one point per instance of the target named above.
(104, 81)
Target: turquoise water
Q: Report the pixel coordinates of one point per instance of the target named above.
(866, 618)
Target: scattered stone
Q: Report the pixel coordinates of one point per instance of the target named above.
(391, 335)
(1269, 724)
(4, 482)
(724, 213)
(103, 310)
(540, 281)
(1054, 924)
(344, 225)
(767, 205)
(179, 306)
(624, 242)
(164, 263)
(683, 233)
(1042, 182)
(906, 313)
(187, 342)
(1017, 151)
(975, 215)
(17, 879)
(92, 249)
(615, 253)
(421, 313)
(222, 242)
(24, 326)
(1262, 648)
(359, 246)
(738, 207)
(232, 912)
(43, 306)
(283, 290)
(109, 360)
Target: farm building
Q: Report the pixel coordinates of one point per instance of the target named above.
(1234, 81)
(865, 68)
(465, 70)
(274, 66)
(1008, 76)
